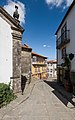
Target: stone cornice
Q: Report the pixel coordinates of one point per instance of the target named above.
(16, 36)
(26, 49)
(17, 29)
(11, 19)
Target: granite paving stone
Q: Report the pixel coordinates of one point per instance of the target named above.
(39, 102)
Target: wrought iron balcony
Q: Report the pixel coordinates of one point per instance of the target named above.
(39, 63)
(63, 39)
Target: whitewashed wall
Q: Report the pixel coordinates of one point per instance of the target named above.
(70, 48)
(52, 67)
(5, 52)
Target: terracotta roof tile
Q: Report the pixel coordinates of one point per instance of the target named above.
(25, 46)
(52, 61)
(33, 53)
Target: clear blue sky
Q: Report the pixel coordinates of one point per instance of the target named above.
(41, 22)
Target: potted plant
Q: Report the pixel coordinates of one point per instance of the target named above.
(67, 81)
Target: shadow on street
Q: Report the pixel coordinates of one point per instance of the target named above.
(61, 93)
(23, 83)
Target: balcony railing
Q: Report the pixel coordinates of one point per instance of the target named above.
(63, 39)
(39, 63)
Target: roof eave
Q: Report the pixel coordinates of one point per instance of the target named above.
(65, 16)
(8, 16)
(39, 55)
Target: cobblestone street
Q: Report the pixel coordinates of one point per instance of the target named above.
(43, 103)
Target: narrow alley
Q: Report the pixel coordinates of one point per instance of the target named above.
(43, 103)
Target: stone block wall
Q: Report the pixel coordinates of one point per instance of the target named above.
(16, 62)
(26, 62)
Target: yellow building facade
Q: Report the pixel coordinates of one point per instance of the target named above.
(39, 66)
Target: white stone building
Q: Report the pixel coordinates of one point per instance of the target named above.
(65, 42)
(10, 49)
(51, 68)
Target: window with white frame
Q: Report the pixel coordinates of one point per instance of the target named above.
(34, 59)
